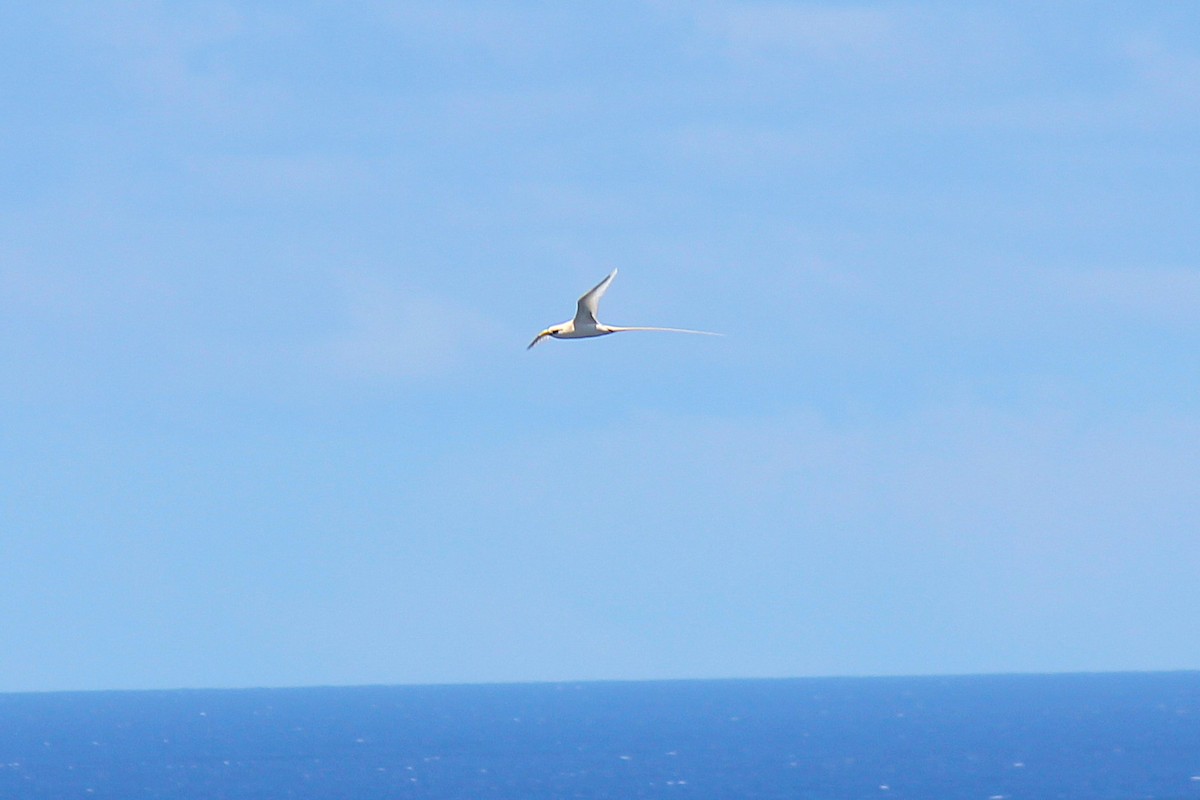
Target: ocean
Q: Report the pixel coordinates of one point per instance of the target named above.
(935, 738)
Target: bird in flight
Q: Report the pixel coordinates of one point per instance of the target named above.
(586, 325)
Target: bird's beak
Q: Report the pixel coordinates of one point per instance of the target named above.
(537, 339)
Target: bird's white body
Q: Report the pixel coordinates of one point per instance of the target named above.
(569, 330)
(585, 325)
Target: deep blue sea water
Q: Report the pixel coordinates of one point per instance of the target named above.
(1072, 736)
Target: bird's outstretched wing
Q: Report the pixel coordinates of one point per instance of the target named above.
(585, 314)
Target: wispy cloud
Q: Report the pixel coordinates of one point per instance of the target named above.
(285, 179)
(390, 332)
(1141, 82)
(47, 296)
(1155, 294)
(831, 33)
(968, 514)
(175, 60)
(1169, 73)
(749, 148)
(504, 33)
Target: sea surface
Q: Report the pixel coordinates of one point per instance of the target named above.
(1064, 736)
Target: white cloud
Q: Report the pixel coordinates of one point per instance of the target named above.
(832, 33)
(1169, 75)
(953, 525)
(172, 60)
(1140, 83)
(1157, 60)
(509, 32)
(921, 478)
(1162, 295)
(284, 179)
(388, 332)
(750, 148)
(47, 296)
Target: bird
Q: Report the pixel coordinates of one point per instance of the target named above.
(585, 324)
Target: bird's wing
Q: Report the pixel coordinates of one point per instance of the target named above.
(586, 312)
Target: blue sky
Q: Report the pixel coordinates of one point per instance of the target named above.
(268, 270)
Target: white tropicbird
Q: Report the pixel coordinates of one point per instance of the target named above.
(585, 323)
